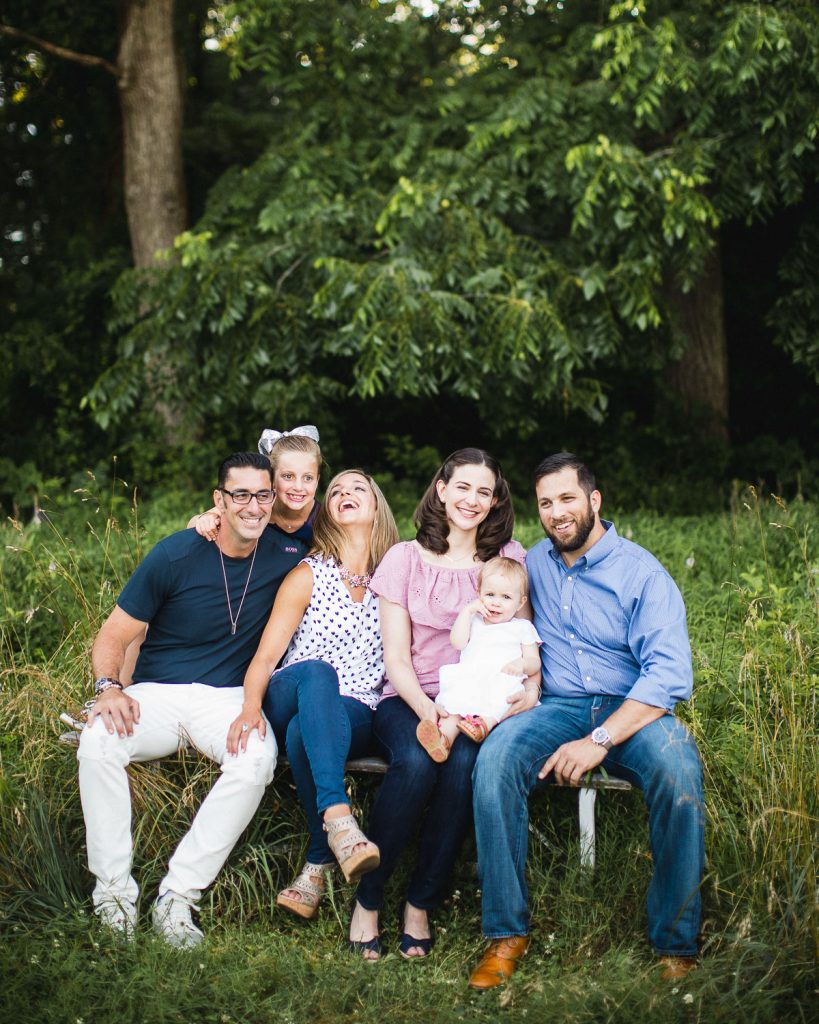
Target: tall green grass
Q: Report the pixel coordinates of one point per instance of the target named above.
(749, 577)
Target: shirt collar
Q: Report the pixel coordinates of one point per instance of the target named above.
(596, 553)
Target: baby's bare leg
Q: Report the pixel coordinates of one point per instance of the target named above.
(449, 727)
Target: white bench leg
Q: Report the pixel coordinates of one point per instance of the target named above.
(586, 799)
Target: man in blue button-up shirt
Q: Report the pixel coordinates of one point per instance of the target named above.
(615, 661)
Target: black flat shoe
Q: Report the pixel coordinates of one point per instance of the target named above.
(359, 946)
(406, 942)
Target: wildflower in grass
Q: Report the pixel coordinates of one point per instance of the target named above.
(688, 998)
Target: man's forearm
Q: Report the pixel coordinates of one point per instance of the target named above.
(107, 655)
(629, 718)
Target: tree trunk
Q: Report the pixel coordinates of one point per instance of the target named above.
(150, 89)
(151, 98)
(700, 377)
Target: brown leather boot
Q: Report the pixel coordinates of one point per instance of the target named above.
(499, 962)
(673, 968)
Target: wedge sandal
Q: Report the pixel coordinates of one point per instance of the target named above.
(309, 891)
(343, 835)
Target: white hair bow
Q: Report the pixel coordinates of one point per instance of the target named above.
(270, 437)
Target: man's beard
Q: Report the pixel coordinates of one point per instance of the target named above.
(583, 526)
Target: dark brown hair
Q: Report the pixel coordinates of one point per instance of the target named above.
(566, 460)
(430, 518)
(244, 460)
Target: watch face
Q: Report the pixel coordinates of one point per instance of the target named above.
(600, 735)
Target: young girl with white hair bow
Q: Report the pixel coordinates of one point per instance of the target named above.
(296, 460)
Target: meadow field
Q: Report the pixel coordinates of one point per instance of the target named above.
(750, 578)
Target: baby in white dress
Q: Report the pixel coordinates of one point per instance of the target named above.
(499, 652)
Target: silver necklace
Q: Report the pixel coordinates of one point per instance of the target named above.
(233, 621)
(460, 558)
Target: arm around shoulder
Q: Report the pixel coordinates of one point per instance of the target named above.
(206, 524)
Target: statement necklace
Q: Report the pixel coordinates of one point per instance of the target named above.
(354, 579)
(233, 621)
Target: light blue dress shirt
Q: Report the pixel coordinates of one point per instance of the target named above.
(613, 624)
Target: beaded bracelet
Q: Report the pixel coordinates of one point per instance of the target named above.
(101, 685)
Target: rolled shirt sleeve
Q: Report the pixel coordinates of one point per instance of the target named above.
(658, 638)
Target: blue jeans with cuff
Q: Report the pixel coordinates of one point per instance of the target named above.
(319, 730)
(661, 759)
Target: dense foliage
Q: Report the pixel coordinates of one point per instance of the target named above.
(493, 203)
(426, 224)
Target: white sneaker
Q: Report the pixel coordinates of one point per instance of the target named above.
(171, 915)
(120, 915)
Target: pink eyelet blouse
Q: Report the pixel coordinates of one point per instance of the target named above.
(433, 595)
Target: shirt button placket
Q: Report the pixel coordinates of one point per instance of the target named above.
(566, 603)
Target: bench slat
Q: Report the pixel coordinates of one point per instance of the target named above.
(377, 766)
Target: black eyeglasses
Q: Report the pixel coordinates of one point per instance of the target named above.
(244, 497)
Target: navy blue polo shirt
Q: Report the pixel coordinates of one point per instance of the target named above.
(179, 590)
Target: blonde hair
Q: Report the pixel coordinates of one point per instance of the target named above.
(506, 567)
(329, 539)
(294, 443)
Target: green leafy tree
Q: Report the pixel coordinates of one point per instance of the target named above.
(499, 200)
(66, 230)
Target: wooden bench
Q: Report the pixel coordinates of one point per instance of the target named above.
(587, 795)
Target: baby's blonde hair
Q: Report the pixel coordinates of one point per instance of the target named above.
(505, 567)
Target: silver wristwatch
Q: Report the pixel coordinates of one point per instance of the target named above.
(601, 737)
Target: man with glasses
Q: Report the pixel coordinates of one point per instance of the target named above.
(204, 607)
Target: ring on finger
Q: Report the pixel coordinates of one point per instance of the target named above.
(245, 726)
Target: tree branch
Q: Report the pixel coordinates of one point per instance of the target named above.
(86, 59)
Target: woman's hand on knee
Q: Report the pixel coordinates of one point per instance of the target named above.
(241, 728)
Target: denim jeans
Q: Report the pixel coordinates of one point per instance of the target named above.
(319, 729)
(661, 759)
(415, 783)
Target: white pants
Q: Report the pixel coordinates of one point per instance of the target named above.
(169, 717)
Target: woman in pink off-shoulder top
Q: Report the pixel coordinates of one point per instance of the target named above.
(464, 518)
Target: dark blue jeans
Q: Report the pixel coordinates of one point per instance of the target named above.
(415, 783)
(319, 729)
(661, 758)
